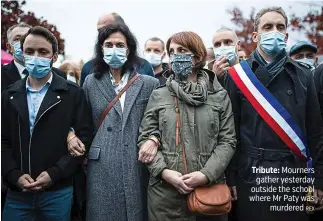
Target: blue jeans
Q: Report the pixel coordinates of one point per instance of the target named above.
(40, 206)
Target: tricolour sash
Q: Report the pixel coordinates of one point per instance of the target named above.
(271, 111)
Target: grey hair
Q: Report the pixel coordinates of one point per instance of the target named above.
(269, 9)
(228, 29)
(21, 25)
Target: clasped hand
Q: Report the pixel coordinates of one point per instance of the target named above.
(184, 183)
(28, 184)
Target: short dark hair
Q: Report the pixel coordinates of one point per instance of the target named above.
(156, 39)
(41, 31)
(100, 67)
(269, 9)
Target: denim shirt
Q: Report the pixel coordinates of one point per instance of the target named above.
(34, 100)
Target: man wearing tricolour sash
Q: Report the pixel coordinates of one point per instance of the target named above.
(279, 129)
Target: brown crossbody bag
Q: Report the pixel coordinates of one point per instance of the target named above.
(110, 105)
(204, 200)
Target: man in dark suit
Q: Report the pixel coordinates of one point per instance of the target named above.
(15, 70)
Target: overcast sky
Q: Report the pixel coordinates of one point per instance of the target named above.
(76, 19)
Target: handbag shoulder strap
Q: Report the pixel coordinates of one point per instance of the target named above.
(179, 134)
(110, 105)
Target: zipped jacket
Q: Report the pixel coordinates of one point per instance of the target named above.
(45, 148)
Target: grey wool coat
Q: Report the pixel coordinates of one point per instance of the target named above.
(116, 180)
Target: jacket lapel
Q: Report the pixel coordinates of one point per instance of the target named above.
(131, 95)
(13, 72)
(52, 97)
(106, 88)
(260, 71)
(19, 100)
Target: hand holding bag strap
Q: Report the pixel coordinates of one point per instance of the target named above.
(110, 105)
(179, 134)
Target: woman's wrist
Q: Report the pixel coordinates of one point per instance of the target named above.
(155, 140)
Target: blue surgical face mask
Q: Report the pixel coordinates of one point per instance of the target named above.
(181, 65)
(115, 57)
(226, 51)
(272, 43)
(17, 51)
(37, 67)
(308, 61)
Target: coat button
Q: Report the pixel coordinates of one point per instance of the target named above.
(289, 92)
(109, 129)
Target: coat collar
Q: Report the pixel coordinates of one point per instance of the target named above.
(131, 96)
(18, 96)
(105, 86)
(58, 83)
(262, 74)
(12, 71)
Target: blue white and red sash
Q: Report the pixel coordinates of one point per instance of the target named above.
(272, 112)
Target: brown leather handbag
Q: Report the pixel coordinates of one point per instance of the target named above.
(204, 200)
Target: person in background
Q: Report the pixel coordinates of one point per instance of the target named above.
(259, 144)
(72, 69)
(318, 80)
(242, 55)
(305, 53)
(154, 53)
(225, 47)
(113, 155)
(210, 58)
(37, 113)
(143, 67)
(207, 129)
(16, 70)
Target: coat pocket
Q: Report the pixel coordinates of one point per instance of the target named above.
(94, 153)
(214, 121)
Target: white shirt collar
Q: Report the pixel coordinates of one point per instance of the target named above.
(122, 82)
(20, 68)
(49, 81)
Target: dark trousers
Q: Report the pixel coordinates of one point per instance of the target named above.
(40, 206)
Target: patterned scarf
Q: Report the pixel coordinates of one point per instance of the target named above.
(193, 93)
(274, 67)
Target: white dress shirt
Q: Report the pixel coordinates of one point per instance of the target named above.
(20, 68)
(118, 87)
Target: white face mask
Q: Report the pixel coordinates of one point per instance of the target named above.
(71, 78)
(227, 51)
(153, 58)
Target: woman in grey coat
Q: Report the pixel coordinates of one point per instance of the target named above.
(116, 180)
